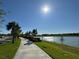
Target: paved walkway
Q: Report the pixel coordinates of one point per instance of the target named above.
(30, 51)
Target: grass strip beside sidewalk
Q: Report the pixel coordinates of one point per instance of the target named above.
(8, 50)
(57, 51)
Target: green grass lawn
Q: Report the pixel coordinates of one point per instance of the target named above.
(58, 51)
(8, 50)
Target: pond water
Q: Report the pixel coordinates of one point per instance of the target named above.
(71, 41)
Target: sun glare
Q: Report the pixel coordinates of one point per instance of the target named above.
(45, 9)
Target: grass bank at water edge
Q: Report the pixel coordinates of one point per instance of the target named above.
(58, 51)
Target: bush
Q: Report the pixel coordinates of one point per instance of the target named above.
(37, 40)
(33, 39)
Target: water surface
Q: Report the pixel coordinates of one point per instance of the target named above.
(71, 41)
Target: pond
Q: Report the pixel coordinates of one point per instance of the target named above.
(70, 40)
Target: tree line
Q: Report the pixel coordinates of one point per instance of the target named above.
(32, 33)
(64, 34)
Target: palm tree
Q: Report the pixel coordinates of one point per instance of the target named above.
(2, 13)
(34, 32)
(15, 30)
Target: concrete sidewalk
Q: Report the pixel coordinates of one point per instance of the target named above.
(30, 51)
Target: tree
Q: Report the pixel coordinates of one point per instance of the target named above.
(2, 13)
(34, 32)
(27, 34)
(21, 34)
(15, 29)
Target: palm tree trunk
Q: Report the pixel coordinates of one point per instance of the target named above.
(13, 39)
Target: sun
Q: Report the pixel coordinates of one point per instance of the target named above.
(45, 9)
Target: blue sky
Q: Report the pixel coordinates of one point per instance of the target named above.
(62, 18)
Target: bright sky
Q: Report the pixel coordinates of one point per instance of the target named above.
(58, 16)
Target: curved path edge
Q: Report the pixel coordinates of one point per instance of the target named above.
(30, 51)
